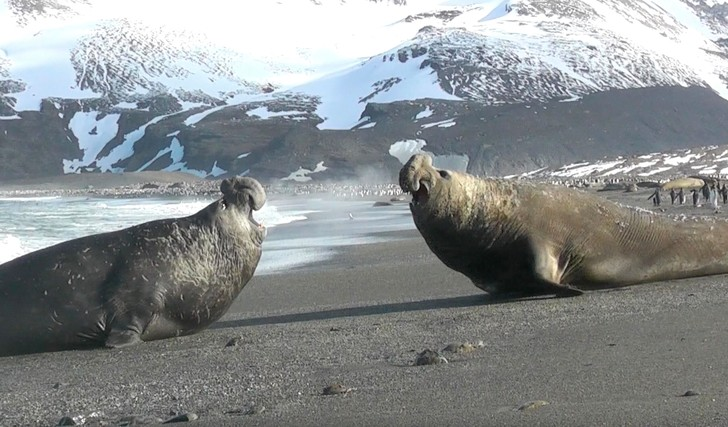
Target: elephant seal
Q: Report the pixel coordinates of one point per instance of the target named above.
(156, 280)
(522, 239)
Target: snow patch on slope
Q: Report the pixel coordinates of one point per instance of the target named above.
(92, 133)
(344, 95)
(710, 160)
(404, 149)
(302, 175)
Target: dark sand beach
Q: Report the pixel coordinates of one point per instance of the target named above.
(652, 354)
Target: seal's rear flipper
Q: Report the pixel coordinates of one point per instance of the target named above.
(119, 338)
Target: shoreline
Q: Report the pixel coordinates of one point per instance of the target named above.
(163, 184)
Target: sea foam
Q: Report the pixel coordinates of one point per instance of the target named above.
(34, 223)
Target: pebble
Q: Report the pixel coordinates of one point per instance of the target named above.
(334, 389)
(138, 420)
(235, 341)
(429, 357)
(251, 409)
(533, 404)
(182, 418)
(79, 420)
(465, 347)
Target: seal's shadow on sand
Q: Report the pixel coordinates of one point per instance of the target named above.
(430, 304)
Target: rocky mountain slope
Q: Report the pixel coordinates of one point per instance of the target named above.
(496, 87)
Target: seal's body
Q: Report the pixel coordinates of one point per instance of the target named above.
(156, 280)
(525, 238)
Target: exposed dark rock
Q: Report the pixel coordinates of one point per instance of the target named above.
(497, 140)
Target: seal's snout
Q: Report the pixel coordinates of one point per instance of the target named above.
(416, 178)
(243, 191)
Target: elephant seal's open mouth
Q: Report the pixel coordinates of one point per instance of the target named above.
(421, 196)
(236, 194)
(253, 221)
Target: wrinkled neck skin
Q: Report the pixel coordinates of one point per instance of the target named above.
(467, 203)
(238, 227)
(215, 260)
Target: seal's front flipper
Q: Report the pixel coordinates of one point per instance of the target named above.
(119, 338)
(545, 287)
(565, 291)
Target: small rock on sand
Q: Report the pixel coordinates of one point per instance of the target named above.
(533, 404)
(235, 341)
(465, 347)
(334, 389)
(182, 418)
(251, 409)
(79, 420)
(138, 420)
(429, 357)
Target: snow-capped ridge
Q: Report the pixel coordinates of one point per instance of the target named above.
(708, 161)
(131, 90)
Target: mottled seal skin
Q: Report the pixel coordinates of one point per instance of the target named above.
(156, 280)
(520, 239)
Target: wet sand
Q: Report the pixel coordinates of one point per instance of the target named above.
(359, 319)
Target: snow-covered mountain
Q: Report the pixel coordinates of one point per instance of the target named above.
(345, 88)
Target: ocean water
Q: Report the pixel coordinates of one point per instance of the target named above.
(301, 230)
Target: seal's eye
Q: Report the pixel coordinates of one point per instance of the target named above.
(444, 174)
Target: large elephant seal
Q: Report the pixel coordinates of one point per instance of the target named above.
(155, 280)
(519, 238)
